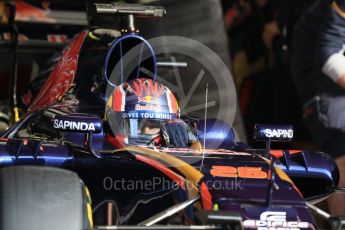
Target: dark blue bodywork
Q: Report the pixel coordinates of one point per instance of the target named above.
(221, 166)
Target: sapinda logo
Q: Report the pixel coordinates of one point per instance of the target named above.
(73, 125)
(278, 133)
(274, 221)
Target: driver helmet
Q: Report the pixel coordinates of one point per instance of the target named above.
(136, 109)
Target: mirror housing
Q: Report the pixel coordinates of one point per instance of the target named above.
(281, 133)
(78, 123)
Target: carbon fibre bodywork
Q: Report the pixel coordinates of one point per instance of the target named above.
(228, 176)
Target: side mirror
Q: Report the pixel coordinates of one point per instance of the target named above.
(280, 133)
(78, 123)
(271, 133)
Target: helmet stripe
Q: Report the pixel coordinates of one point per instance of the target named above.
(119, 97)
(172, 102)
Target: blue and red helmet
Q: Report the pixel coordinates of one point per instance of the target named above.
(136, 109)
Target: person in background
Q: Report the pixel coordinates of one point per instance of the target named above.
(259, 36)
(318, 70)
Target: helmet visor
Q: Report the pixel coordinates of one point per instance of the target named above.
(143, 126)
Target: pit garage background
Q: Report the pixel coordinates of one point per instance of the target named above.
(265, 93)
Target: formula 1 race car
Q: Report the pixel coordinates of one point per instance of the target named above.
(84, 159)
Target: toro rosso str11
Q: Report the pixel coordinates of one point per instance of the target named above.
(82, 160)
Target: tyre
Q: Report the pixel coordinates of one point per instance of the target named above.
(41, 198)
